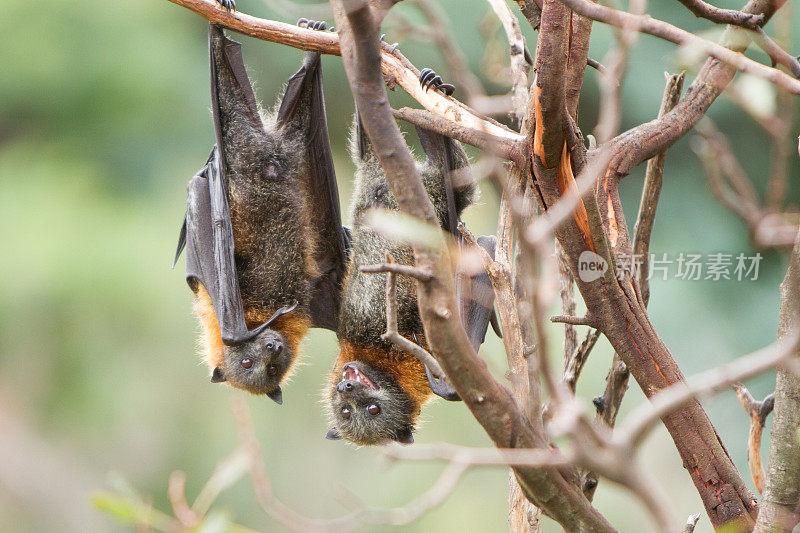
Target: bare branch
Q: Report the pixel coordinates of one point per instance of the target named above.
(532, 10)
(490, 403)
(691, 523)
(724, 16)
(575, 320)
(668, 32)
(646, 140)
(644, 417)
(758, 412)
(505, 148)
(574, 365)
(778, 55)
(766, 229)
(617, 379)
(352, 521)
(516, 46)
(397, 69)
(405, 270)
(779, 508)
(176, 490)
(566, 290)
(392, 335)
(653, 178)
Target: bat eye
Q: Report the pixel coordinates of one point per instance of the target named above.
(247, 363)
(374, 409)
(345, 413)
(272, 370)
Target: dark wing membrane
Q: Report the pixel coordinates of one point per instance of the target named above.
(304, 95)
(475, 293)
(438, 151)
(209, 250)
(229, 74)
(477, 303)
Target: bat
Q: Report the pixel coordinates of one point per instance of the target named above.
(375, 391)
(265, 249)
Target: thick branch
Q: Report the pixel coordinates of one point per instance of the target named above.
(397, 69)
(781, 506)
(616, 304)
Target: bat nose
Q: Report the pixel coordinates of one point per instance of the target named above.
(346, 385)
(275, 346)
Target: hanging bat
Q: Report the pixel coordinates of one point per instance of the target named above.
(265, 249)
(375, 390)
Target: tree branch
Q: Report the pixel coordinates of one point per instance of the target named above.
(723, 16)
(758, 412)
(646, 140)
(673, 34)
(397, 69)
(780, 509)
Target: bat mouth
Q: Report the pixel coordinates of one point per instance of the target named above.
(350, 372)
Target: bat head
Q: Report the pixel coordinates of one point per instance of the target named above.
(257, 365)
(368, 407)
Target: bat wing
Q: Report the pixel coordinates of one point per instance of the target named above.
(477, 302)
(303, 107)
(207, 232)
(441, 153)
(475, 293)
(209, 248)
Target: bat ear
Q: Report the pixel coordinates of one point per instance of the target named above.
(333, 434)
(404, 436)
(217, 377)
(360, 146)
(295, 110)
(276, 396)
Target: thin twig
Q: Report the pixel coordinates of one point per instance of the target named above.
(644, 417)
(396, 268)
(176, 490)
(691, 523)
(516, 46)
(392, 335)
(587, 320)
(578, 359)
(732, 188)
(653, 178)
(352, 521)
(777, 54)
(758, 412)
(723, 16)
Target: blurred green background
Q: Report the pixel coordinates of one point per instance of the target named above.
(105, 117)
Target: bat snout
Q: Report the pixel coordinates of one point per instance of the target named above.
(349, 386)
(274, 346)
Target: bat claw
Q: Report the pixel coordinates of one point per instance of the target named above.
(392, 47)
(228, 5)
(429, 79)
(440, 387)
(318, 25)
